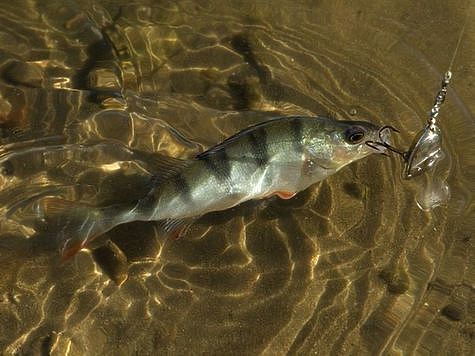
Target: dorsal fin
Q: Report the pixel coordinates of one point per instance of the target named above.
(164, 168)
(167, 167)
(240, 134)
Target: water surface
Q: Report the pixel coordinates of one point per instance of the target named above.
(89, 90)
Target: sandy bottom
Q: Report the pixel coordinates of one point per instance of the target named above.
(89, 90)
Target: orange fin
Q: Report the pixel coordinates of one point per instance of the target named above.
(77, 225)
(285, 194)
(72, 246)
(179, 232)
(70, 249)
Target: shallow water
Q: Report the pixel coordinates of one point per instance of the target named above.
(88, 89)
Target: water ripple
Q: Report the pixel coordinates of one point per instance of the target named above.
(89, 91)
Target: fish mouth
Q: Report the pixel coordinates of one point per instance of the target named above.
(383, 145)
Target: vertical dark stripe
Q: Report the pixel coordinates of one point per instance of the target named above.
(182, 187)
(296, 128)
(218, 164)
(258, 145)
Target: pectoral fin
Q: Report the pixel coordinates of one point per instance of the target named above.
(285, 194)
(282, 194)
(311, 163)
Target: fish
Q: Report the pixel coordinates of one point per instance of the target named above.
(278, 157)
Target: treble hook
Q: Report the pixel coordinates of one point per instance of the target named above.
(377, 144)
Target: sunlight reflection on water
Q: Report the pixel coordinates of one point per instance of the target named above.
(90, 90)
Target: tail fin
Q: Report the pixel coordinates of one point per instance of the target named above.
(76, 225)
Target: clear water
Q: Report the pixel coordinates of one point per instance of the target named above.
(89, 88)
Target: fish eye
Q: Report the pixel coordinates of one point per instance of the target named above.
(354, 134)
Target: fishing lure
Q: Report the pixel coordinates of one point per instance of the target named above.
(425, 155)
(426, 149)
(426, 152)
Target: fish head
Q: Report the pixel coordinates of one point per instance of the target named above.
(339, 143)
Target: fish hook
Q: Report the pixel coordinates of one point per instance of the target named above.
(382, 144)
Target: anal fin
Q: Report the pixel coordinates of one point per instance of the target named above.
(176, 228)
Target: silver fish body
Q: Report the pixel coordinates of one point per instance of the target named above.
(281, 156)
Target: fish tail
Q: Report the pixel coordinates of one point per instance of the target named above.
(76, 225)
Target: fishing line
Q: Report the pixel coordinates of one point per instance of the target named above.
(459, 40)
